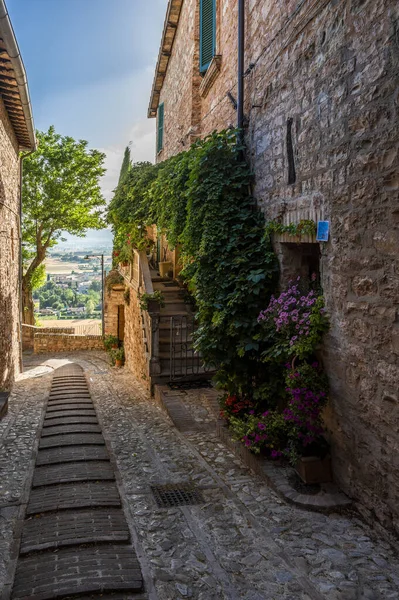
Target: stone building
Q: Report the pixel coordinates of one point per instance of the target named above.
(321, 122)
(16, 137)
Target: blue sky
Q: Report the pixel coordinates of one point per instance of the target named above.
(90, 66)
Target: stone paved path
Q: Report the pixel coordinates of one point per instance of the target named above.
(77, 539)
(242, 542)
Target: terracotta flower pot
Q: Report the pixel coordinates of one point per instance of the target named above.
(312, 469)
(118, 363)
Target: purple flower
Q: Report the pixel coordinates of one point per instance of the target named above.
(261, 426)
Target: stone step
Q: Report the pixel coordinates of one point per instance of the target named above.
(70, 528)
(71, 428)
(73, 471)
(73, 495)
(72, 439)
(92, 572)
(52, 456)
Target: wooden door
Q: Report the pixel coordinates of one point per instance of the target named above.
(121, 322)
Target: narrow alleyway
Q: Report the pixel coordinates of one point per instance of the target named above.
(238, 541)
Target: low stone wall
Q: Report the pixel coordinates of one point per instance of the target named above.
(29, 331)
(62, 342)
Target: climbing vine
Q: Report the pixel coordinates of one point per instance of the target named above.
(201, 200)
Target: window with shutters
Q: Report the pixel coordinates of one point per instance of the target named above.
(207, 33)
(160, 127)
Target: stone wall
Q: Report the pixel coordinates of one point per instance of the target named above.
(61, 342)
(133, 336)
(322, 116)
(113, 298)
(336, 83)
(181, 112)
(29, 331)
(135, 350)
(9, 253)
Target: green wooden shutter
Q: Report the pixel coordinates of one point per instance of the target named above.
(207, 33)
(160, 127)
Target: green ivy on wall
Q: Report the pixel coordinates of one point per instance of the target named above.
(201, 200)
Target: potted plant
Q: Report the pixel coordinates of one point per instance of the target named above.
(110, 342)
(119, 356)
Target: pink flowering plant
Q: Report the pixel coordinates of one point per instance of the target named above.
(293, 323)
(295, 431)
(286, 421)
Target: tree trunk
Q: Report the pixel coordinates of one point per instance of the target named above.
(28, 317)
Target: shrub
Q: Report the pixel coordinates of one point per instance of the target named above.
(110, 341)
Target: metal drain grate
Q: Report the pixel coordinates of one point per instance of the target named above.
(167, 496)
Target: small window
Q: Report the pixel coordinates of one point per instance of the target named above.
(207, 33)
(160, 127)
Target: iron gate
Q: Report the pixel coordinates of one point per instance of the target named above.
(184, 360)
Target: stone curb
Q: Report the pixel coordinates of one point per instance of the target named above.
(276, 478)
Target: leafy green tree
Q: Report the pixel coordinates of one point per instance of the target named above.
(60, 192)
(126, 164)
(95, 286)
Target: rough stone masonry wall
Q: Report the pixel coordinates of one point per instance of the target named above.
(29, 331)
(135, 357)
(332, 67)
(9, 253)
(61, 342)
(113, 299)
(135, 351)
(177, 91)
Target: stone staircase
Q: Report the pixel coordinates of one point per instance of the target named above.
(176, 353)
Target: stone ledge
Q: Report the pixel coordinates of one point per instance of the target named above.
(210, 76)
(277, 478)
(3, 403)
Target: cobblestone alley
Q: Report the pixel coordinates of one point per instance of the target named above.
(239, 541)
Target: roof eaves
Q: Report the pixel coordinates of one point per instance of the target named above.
(168, 36)
(27, 141)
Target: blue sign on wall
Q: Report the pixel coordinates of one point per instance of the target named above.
(323, 231)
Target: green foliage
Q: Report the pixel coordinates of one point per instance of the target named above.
(114, 278)
(117, 354)
(268, 431)
(126, 165)
(38, 277)
(144, 299)
(304, 227)
(201, 199)
(60, 192)
(51, 295)
(126, 296)
(110, 341)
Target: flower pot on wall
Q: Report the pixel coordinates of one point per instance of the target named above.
(119, 363)
(165, 267)
(312, 469)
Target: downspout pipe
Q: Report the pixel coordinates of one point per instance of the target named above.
(240, 71)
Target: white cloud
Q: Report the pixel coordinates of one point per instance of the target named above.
(142, 147)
